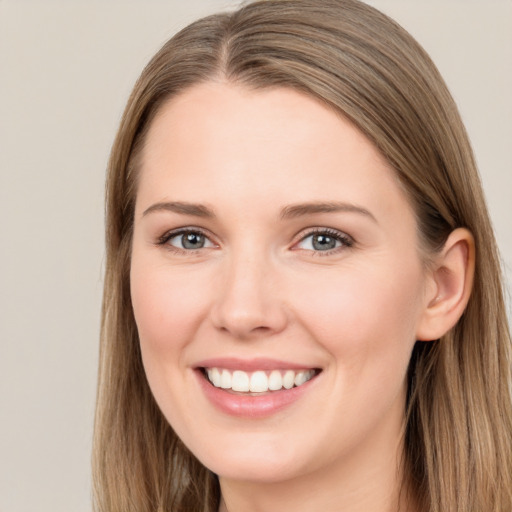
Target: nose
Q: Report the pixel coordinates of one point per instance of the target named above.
(248, 302)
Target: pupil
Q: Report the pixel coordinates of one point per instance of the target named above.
(193, 241)
(323, 242)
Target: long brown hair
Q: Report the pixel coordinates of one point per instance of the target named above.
(458, 442)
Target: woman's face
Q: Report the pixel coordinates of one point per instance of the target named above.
(273, 247)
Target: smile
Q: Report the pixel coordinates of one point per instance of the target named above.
(259, 381)
(256, 388)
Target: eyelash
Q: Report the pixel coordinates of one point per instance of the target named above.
(164, 240)
(345, 240)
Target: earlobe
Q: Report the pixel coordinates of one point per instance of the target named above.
(452, 281)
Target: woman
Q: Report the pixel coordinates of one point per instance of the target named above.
(303, 307)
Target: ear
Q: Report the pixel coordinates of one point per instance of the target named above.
(449, 286)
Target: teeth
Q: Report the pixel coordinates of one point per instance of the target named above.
(259, 381)
(214, 376)
(275, 381)
(288, 379)
(240, 381)
(225, 380)
(300, 378)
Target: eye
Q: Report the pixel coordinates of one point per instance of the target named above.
(186, 240)
(324, 240)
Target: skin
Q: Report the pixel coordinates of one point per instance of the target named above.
(258, 288)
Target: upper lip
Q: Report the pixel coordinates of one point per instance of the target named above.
(251, 365)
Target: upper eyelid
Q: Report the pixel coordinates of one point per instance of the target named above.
(171, 233)
(319, 230)
(346, 242)
(163, 241)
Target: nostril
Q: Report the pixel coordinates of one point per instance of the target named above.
(262, 328)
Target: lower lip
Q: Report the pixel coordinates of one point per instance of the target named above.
(251, 406)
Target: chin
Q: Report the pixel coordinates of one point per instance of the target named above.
(257, 462)
(257, 471)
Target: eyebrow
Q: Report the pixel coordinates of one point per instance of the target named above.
(197, 210)
(289, 212)
(298, 210)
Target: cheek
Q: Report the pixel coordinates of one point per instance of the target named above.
(365, 317)
(167, 305)
(168, 309)
(365, 321)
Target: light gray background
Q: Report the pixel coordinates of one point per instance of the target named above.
(66, 69)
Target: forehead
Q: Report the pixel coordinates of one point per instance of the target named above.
(222, 142)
